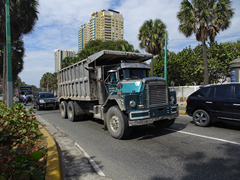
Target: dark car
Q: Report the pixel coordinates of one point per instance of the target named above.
(44, 100)
(214, 102)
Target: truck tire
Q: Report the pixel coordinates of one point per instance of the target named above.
(164, 123)
(63, 109)
(117, 123)
(71, 111)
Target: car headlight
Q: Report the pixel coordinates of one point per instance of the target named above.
(132, 103)
(41, 101)
(172, 99)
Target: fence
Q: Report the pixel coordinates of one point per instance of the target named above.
(182, 92)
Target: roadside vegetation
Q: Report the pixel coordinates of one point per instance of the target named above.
(186, 67)
(23, 148)
(205, 19)
(24, 15)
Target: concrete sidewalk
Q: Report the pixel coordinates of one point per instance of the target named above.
(66, 159)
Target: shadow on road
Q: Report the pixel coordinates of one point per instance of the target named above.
(233, 125)
(150, 131)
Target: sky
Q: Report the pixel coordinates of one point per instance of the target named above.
(59, 21)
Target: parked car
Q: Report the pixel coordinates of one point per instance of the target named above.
(44, 100)
(212, 103)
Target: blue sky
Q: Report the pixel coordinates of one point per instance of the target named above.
(60, 20)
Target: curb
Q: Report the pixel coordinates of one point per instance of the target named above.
(182, 112)
(54, 168)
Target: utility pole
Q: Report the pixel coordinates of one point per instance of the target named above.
(8, 55)
(152, 67)
(165, 60)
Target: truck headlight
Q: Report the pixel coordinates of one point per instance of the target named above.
(172, 99)
(41, 101)
(132, 103)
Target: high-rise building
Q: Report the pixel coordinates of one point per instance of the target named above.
(83, 37)
(103, 25)
(59, 55)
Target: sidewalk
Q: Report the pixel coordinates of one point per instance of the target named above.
(66, 160)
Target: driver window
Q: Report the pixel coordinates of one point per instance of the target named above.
(112, 77)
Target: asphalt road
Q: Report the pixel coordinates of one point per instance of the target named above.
(183, 151)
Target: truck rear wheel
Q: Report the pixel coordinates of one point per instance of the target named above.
(117, 123)
(71, 111)
(164, 123)
(63, 109)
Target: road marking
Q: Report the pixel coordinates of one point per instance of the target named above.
(207, 137)
(95, 166)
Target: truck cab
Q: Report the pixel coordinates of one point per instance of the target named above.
(144, 99)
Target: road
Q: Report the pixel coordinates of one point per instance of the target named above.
(183, 151)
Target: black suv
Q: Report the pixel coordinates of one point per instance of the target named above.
(44, 100)
(214, 102)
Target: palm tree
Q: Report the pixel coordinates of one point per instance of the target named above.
(205, 19)
(152, 37)
(125, 46)
(23, 17)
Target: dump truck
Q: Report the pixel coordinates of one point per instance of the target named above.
(115, 86)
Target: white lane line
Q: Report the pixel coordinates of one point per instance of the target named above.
(207, 137)
(95, 166)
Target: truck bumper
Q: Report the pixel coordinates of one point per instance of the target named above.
(148, 116)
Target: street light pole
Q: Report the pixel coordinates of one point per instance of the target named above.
(8, 55)
(165, 60)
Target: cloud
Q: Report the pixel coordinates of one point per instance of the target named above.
(60, 20)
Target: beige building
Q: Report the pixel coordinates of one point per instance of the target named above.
(103, 25)
(59, 55)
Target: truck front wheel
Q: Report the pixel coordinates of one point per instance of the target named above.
(63, 109)
(117, 123)
(164, 123)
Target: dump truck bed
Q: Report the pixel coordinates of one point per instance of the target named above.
(75, 81)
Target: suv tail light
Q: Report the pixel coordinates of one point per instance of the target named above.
(187, 101)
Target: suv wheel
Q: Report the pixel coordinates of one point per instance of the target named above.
(201, 118)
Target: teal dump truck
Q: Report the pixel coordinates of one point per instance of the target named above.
(114, 86)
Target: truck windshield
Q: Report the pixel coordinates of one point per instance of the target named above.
(126, 74)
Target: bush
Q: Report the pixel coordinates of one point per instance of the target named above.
(21, 144)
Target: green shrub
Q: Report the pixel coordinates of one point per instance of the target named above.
(19, 135)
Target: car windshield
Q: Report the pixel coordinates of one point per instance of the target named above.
(126, 74)
(46, 95)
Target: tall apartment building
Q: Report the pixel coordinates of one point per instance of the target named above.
(59, 55)
(83, 36)
(103, 25)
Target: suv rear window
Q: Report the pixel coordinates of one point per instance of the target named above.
(203, 92)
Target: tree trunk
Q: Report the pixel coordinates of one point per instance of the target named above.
(205, 62)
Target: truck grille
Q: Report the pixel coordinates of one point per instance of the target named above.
(157, 95)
